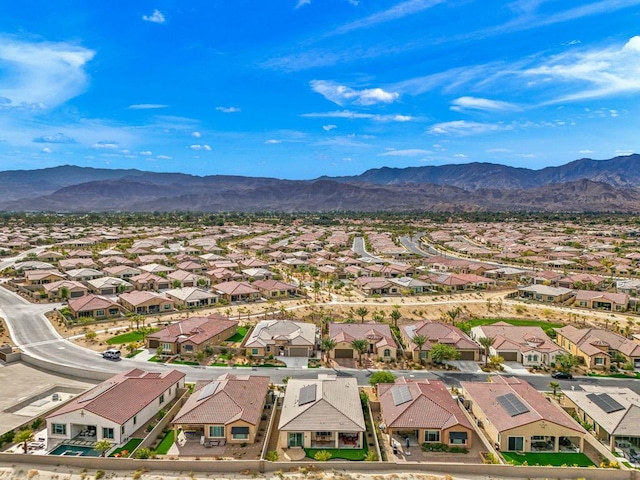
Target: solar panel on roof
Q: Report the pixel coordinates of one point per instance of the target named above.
(96, 392)
(605, 402)
(307, 394)
(512, 404)
(401, 394)
(208, 390)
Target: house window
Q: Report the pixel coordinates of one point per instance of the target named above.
(121, 430)
(108, 433)
(216, 431)
(59, 428)
(161, 399)
(296, 439)
(100, 313)
(583, 303)
(188, 348)
(167, 306)
(515, 444)
(387, 352)
(599, 361)
(254, 351)
(240, 433)
(135, 420)
(423, 354)
(268, 348)
(432, 435)
(458, 438)
(166, 347)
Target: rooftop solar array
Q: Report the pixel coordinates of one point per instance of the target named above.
(208, 390)
(605, 402)
(96, 392)
(401, 394)
(307, 394)
(512, 404)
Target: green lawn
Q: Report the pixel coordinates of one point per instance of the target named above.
(165, 444)
(552, 459)
(156, 359)
(546, 326)
(218, 364)
(129, 446)
(614, 375)
(184, 362)
(129, 337)
(343, 453)
(133, 354)
(239, 335)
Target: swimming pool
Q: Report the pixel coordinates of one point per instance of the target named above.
(74, 451)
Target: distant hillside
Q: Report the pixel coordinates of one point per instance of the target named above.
(582, 185)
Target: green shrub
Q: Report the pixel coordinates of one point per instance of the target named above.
(99, 474)
(272, 456)
(434, 447)
(144, 453)
(322, 456)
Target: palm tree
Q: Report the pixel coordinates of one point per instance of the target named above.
(360, 345)
(316, 289)
(419, 340)
(64, 293)
(395, 316)
(486, 343)
(453, 314)
(362, 312)
(102, 446)
(327, 344)
(555, 386)
(24, 437)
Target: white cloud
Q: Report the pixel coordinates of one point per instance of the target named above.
(164, 157)
(409, 152)
(60, 138)
(585, 152)
(302, 3)
(40, 75)
(475, 103)
(106, 145)
(155, 17)
(196, 134)
(228, 109)
(341, 95)
(462, 127)
(146, 106)
(460, 155)
(146, 153)
(357, 115)
(201, 147)
(272, 142)
(46, 150)
(594, 73)
(328, 128)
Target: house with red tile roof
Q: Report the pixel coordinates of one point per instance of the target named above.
(94, 306)
(225, 410)
(378, 336)
(150, 281)
(276, 289)
(423, 411)
(437, 332)
(193, 335)
(237, 291)
(73, 289)
(516, 417)
(607, 301)
(143, 303)
(114, 409)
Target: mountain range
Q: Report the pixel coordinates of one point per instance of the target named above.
(581, 185)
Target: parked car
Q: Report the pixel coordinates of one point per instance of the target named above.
(562, 375)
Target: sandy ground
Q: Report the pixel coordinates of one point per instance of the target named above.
(37, 472)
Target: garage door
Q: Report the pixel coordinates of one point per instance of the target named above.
(509, 356)
(344, 353)
(298, 352)
(467, 355)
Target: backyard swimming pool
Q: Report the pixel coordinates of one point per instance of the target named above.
(75, 451)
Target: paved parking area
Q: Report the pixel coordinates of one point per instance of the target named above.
(28, 392)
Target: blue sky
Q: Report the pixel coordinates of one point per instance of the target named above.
(303, 88)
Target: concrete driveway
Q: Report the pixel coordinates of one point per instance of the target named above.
(294, 362)
(515, 368)
(466, 366)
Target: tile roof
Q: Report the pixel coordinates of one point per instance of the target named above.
(91, 302)
(437, 332)
(347, 332)
(196, 330)
(237, 397)
(267, 332)
(484, 395)
(336, 406)
(122, 396)
(520, 338)
(431, 406)
(589, 339)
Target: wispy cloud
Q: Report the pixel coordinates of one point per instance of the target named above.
(228, 109)
(40, 75)
(342, 95)
(463, 127)
(105, 145)
(358, 115)
(164, 157)
(400, 10)
(593, 73)
(328, 128)
(204, 147)
(408, 152)
(57, 138)
(146, 106)
(196, 134)
(155, 17)
(475, 103)
(302, 3)
(272, 142)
